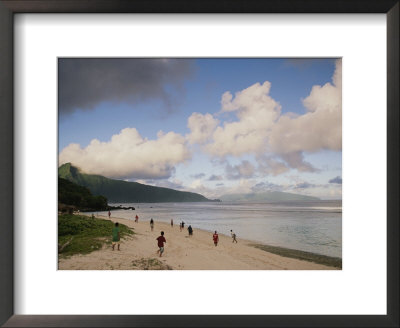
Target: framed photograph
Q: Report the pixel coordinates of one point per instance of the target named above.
(258, 197)
(197, 158)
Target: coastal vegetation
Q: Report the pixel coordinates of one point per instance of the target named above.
(126, 192)
(74, 197)
(82, 234)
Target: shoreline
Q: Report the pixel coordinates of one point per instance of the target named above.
(196, 252)
(294, 231)
(318, 258)
(335, 262)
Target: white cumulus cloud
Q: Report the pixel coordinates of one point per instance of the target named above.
(261, 130)
(256, 112)
(319, 128)
(201, 127)
(127, 154)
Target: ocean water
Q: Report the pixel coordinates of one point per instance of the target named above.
(314, 226)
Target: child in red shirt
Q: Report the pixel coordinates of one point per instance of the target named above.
(161, 240)
(215, 238)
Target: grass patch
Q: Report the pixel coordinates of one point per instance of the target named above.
(82, 235)
(335, 262)
(150, 264)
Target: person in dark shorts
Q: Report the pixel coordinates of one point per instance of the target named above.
(115, 236)
(190, 229)
(151, 224)
(160, 242)
(233, 237)
(172, 222)
(215, 238)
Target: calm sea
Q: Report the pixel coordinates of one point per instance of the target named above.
(314, 226)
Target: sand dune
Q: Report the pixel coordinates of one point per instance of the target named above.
(182, 252)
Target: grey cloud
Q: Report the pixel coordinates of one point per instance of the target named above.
(337, 180)
(83, 83)
(266, 186)
(243, 170)
(215, 178)
(295, 160)
(304, 185)
(269, 165)
(198, 176)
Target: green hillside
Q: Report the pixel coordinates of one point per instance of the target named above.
(83, 235)
(119, 191)
(269, 196)
(73, 196)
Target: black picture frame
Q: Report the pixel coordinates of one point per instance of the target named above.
(10, 7)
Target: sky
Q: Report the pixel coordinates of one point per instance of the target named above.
(213, 126)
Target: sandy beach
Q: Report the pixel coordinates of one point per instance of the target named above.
(197, 252)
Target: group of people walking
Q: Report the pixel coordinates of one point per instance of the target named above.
(161, 239)
(215, 236)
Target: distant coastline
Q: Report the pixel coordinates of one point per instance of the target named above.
(267, 196)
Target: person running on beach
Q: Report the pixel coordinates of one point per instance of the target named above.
(115, 236)
(109, 214)
(190, 230)
(172, 222)
(233, 237)
(136, 219)
(161, 240)
(215, 238)
(151, 224)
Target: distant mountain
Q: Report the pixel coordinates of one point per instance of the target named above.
(118, 191)
(268, 196)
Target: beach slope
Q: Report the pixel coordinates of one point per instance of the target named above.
(197, 252)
